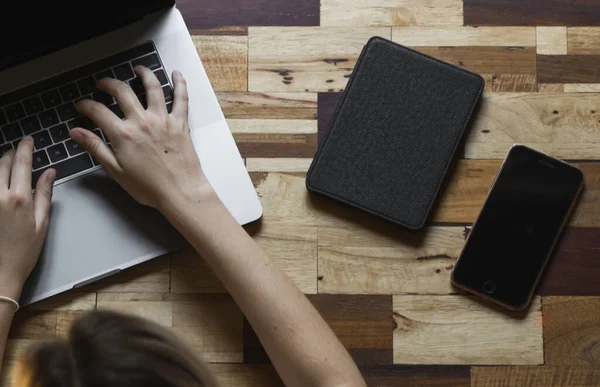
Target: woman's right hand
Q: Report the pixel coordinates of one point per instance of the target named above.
(152, 155)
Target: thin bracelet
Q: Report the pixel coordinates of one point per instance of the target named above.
(2, 298)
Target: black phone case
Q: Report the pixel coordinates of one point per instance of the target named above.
(394, 133)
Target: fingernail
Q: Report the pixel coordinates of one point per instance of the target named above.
(27, 138)
(177, 73)
(52, 174)
(76, 135)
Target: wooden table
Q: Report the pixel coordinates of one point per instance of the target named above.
(386, 293)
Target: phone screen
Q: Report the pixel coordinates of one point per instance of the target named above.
(517, 226)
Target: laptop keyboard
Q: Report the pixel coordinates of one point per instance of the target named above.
(46, 110)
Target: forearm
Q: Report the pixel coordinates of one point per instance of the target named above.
(301, 345)
(7, 311)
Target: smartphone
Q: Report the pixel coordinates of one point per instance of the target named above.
(511, 241)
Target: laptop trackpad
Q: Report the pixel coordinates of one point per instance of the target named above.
(96, 228)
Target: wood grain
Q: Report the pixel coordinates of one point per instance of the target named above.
(550, 88)
(362, 323)
(261, 126)
(246, 375)
(568, 68)
(465, 36)
(369, 13)
(515, 83)
(535, 376)
(551, 40)
(417, 376)
(305, 59)
(583, 40)
(327, 105)
(564, 125)
(278, 165)
(531, 13)
(581, 87)
(461, 330)
(225, 60)
(277, 145)
(291, 106)
(572, 331)
(215, 13)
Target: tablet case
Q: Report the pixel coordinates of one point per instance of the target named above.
(394, 133)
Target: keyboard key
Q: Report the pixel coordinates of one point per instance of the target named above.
(66, 168)
(51, 99)
(137, 86)
(123, 72)
(15, 112)
(59, 132)
(48, 118)
(1, 138)
(103, 98)
(5, 148)
(90, 125)
(31, 125)
(33, 105)
(79, 122)
(42, 139)
(40, 159)
(69, 92)
(162, 77)
(104, 74)
(87, 85)
(57, 153)
(151, 61)
(74, 148)
(67, 111)
(117, 110)
(12, 131)
(3, 119)
(168, 93)
(15, 144)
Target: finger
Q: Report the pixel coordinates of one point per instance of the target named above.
(6, 163)
(20, 177)
(126, 98)
(180, 104)
(154, 93)
(97, 148)
(101, 115)
(43, 197)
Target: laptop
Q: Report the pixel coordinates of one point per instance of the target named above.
(53, 53)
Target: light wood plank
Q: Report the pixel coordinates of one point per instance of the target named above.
(551, 40)
(291, 246)
(150, 306)
(69, 301)
(551, 88)
(225, 59)
(461, 330)
(65, 320)
(584, 40)
(272, 126)
(246, 375)
(464, 36)
(366, 13)
(386, 260)
(565, 125)
(277, 165)
(305, 59)
(582, 87)
(514, 83)
(152, 276)
(535, 376)
(297, 106)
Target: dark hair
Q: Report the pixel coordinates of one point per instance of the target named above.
(111, 349)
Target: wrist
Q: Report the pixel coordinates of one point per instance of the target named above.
(183, 199)
(11, 289)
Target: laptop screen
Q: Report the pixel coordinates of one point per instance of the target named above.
(31, 29)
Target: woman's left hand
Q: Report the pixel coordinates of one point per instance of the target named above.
(23, 217)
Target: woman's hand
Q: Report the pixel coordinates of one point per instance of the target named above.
(152, 154)
(23, 217)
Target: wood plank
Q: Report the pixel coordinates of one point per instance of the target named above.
(582, 88)
(225, 59)
(465, 36)
(68, 301)
(33, 324)
(305, 59)
(152, 276)
(293, 247)
(572, 331)
(327, 105)
(246, 375)
(293, 106)
(387, 260)
(584, 40)
(218, 31)
(550, 88)
(417, 376)
(535, 376)
(278, 165)
(568, 68)
(515, 83)
(215, 13)
(551, 40)
(362, 323)
(261, 126)
(565, 125)
(574, 270)
(461, 330)
(531, 13)
(151, 306)
(371, 13)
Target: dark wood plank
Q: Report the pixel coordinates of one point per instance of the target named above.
(532, 13)
(568, 68)
(300, 146)
(535, 376)
(362, 323)
(572, 331)
(327, 102)
(221, 31)
(216, 13)
(574, 270)
(408, 376)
